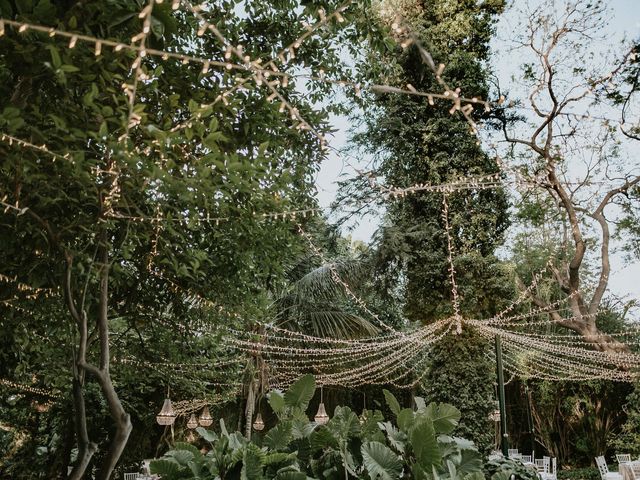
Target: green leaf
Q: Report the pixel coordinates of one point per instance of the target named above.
(209, 435)
(380, 461)
(24, 6)
(451, 468)
(275, 458)
(69, 68)
(181, 456)
(301, 392)
(322, 438)
(395, 437)
(301, 427)
(55, 56)
(276, 401)
(405, 419)
(392, 401)
(168, 469)
(279, 436)
(425, 445)
(190, 448)
(344, 424)
(252, 460)
(445, 417)
(290, 475)
(470, 462)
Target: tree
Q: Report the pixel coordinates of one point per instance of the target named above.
(580, 161)
(153, 198)
(414, 142)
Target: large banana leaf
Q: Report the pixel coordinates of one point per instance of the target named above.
(252, 463)
(380, 461)
(301, 392)
(445, 417)
(279, 436)
(425, 445)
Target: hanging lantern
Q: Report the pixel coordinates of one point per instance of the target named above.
(193, 422)
(258, 424)
(321, 417)
(166, 416)
(205, 417)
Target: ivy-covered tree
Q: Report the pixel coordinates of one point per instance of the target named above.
(414, 141)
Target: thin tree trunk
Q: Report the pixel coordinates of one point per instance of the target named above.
(86, 448)
(118, 414)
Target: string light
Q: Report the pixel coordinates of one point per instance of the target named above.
(29, 389)
(455, 301)
(381, 359)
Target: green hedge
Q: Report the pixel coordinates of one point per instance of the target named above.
(589, 473)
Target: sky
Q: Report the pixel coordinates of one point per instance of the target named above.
(624, 21)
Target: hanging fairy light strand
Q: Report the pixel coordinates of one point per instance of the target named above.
(455, 297)
(381, 359)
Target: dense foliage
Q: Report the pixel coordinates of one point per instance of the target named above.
(138, 225)
(504, 468)
(416, 445)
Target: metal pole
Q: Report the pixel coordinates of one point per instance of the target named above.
(504, 438)
(532, 438)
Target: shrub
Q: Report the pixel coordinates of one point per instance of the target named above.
(504, 468)
(589, 473)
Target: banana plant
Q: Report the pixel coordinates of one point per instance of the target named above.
(415, 444)
(421, 441)
(232, 456)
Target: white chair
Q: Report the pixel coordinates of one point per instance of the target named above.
(551, 472)
(512, 452)
(526, 459)
(623, 457)
(604, 470)
(635, 469)
(542, 465)
(131, 476)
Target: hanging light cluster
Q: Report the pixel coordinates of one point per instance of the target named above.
(321, 417)
(193, 422)
(258, 424)
(205, 417)
(167, 415)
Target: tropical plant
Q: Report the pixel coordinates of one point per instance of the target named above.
(417, 444)
(508, 469)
